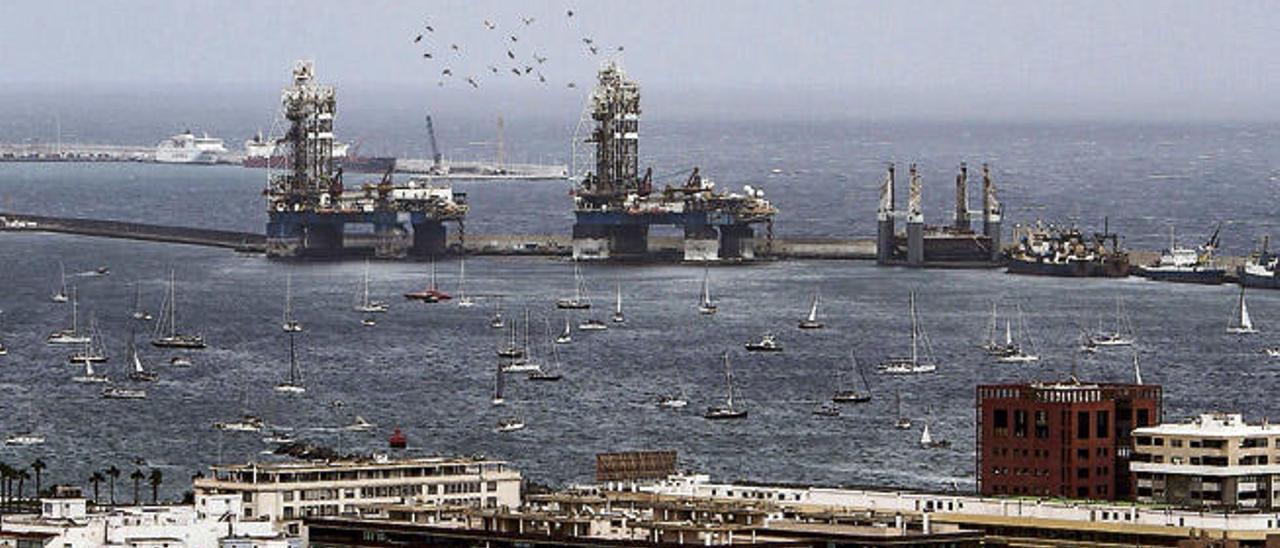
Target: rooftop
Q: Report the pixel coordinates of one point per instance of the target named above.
(1211, 424)
(376, 461)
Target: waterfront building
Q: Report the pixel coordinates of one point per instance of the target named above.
(1214, 461)
(286, 492)
(1060, 439)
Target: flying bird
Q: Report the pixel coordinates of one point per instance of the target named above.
(528, 69)
(619, 48)
(593, 50)
(429, 29)
(514, 39)
(515, 71)
(454, 47)
(473, 83)
(489, 25)
(586, 41)
(447, 72)
(427, 55)
(569, 13)
(571, 85)
(541, 78)
(510, 54)
(493, 69)
(540, 60)
(440, 83)
(527, 20)
(418, 39)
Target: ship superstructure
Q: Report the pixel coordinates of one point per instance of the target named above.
(1056, 251)
(614, 204)
(186, 148)
(309, 207)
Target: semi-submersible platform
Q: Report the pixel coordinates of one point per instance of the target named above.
(614, 206)
(955, 245)
(309, 208)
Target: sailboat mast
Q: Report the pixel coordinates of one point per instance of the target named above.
(293, 361)
(462, 277)
(915, 331)
(173, 305)
(728, 381)
(75, 307)
(526, 332)
(617, 307)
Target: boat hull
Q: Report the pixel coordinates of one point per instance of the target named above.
(1213, 276)
(1259, 281)
(1109, 268)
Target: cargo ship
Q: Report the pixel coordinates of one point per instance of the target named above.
(260, 152)
(1053, 251)
(1186, 265)
(1260, 269)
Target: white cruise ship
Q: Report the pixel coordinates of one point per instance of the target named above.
(186, 148)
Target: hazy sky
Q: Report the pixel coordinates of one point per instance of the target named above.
(1144, 58)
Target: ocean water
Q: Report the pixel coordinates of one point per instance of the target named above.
(428, 369)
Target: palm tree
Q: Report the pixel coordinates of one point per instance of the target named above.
(137, 476)
(95, 480)
(23, 476)
(112, 474)
(155, 479)
(5, 471)
(37, 466)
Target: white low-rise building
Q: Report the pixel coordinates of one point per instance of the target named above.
(1213, 461)
(70, 522)
(287, 492)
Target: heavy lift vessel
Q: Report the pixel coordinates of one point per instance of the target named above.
(308, 207)
(615, 205)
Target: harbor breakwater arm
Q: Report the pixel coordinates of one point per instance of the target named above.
(244, 241)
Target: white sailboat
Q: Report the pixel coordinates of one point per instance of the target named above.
(90, 376)
(524, 361)
(617, 305)
(289, 324)
(565, 336)
(551, 373)
(498, 383)
(921, 359)
(94, 350)
(166, 333)
(852, 395)
(497, 322)
(991, 345)
(1242, 323)
(1021, 351)
(60, 295)
(811, 321)
(579, 300)
(1121, 335)
(463, 300)
(138, 313)
(706, 305)
(902, 422)
(727, 410)
(70, 335)
(293, 383)
(139, 372)
(366, 305)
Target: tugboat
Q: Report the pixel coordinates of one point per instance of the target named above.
(1260, 269)
(1068, 252)
(1186, 265)
(767, 343)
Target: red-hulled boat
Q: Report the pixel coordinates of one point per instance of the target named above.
(397, 440)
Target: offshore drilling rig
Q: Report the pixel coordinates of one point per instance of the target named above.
(956, 245)
(308, 208)
(615, 205)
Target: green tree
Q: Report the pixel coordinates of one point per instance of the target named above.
(37, 466)
(155, 479)
(137, 476)
(5, 472)
(95, 480)
(113, 474)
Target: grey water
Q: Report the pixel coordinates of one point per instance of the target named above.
(428, 369)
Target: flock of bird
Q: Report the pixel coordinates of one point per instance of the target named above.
(520, 65)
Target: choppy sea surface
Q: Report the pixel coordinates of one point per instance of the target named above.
(428, 369)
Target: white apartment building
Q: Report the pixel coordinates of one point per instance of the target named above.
(213, 521)
(286, 492)
(1213, 461)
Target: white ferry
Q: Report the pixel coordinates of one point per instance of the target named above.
(186, 148)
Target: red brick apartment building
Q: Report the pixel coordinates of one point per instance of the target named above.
(1060, 439)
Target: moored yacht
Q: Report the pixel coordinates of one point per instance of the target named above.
(120, 393)
(1241, 323)
(767, 343)
(247, 423)
(293, 383)
(579, 300)
(726, 410)
(23, 439)
(167, 334)
(921, 359)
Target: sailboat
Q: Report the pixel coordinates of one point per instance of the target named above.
(70, 335)
(1241, 324)
(1015, 351)
(497, 322)
(552, 373)
(523, 362)
(579, 300)
(61, 295)
(852, 395)
(292, 384)
(463, 300)
(89, 376)
(511, 350)
(289, 324)
(138, 313)
(432, 293)
(726, 411)
(1122, 335)
(173, 339)
(498, 383)
(902, 423)
(706, 306)
(919, 345)
(139, 373)
(993, 346)
(927, 441)
(617, 306)
(565, 336)
(365, 305)
(94, 350)
(811, 321)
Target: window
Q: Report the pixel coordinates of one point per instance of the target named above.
(1103, 423)
(1082, 454)
(1175, 443)
(288, 496)
(247, 496)
(1019, 423)
(1143, 418)
(1082, 425)
(1159, 441)
(1082, 472)
(1143, 440)
(1042, 425)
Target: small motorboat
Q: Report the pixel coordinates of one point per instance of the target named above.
(1272, 351)
(592, 324)
(368, 322)
(279, 438)
(767, 343)
(180, 361)
(118, 393)
(827, 409)
(360, 425)
(673, 401)
(102, 271)
(247, 423)
(510, 425)
(23, 439)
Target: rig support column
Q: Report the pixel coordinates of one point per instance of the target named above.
(737, 242)
(991, 212)
(629, 240)
(915, 221)
(884, 228)
(590, 242)
(962, 200)
(429, 238)
(701, 243)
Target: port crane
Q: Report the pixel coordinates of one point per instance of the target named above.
(436, 162)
